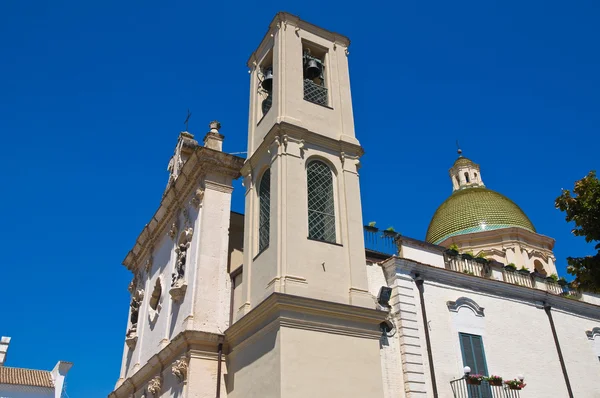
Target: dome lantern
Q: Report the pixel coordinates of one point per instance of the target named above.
(465, 174)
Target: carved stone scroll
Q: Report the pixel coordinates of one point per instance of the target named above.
(155, 385)
(180, 368)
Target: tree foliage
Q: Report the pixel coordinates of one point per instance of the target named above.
(583, 208)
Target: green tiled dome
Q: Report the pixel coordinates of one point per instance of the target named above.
(473, 210)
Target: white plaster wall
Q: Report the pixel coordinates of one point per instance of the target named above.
(581, 360)
(254, 367)
(340, 365)
(423, 256)
(153, 327)
(517, 340)
(18, 391)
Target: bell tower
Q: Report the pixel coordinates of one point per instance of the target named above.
(304, 233)
(304, 303)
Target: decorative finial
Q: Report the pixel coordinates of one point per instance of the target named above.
(458, 149)
(187, 119)
(215, 126)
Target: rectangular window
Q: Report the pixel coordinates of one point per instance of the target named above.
(473, 354)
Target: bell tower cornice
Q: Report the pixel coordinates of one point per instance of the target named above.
(285, 20)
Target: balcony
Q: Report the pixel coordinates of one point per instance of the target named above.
(381, 241)
(461, 389)
(493, 270)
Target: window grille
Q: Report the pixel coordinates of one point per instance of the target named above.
(264, 193)
(315, 93)
(321, 206)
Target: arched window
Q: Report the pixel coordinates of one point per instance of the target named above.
(467, 178)
(264, 200)
(321, 206)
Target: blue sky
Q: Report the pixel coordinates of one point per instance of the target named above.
(94, 94)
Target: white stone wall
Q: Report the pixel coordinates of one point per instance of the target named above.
(420, 255)
(205, 305)
(516, 334)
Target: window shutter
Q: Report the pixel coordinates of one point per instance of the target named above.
(473, 353)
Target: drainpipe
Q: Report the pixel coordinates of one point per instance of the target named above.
(219, 370)
(419, 282)
(547, 308)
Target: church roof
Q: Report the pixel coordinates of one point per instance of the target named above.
(26, 377)
(473, 210)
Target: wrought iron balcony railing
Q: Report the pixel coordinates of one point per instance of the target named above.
(382, 241)
(461, 389)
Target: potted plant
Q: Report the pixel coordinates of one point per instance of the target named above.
(524, 270)
(371, 227)
(494, 380)
(480, 258)
(510, 267)
(475, 379)
(515, 384)
(452, 250)
(467, 255)
(391, 232)
(562, 281)
(552, 278)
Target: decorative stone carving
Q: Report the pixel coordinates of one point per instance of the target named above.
(136, 302)
(173, 230)
(197, 197)
(180, 368)
(454, 306)
(148, 265)
(155, 385)
(181, 250)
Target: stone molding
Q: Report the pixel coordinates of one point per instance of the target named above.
(193, 342)
(281, 309)
(284, 131)
(202, 161)
(454, 306)
(395, 266)
(282, 20)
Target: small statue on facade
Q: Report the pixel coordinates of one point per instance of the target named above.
(179, 273)
(181, 250)
(136, 302)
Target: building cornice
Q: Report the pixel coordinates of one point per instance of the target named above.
(284, 20)
(281, 309)
(514, 234)
(203, 161)
(283, 132)
(395, 265)
(197, 343)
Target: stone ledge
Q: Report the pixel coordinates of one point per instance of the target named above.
(286, 310)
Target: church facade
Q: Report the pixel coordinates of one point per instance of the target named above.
(286, 300)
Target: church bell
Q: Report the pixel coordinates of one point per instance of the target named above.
(267, 82)
(312, 69)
